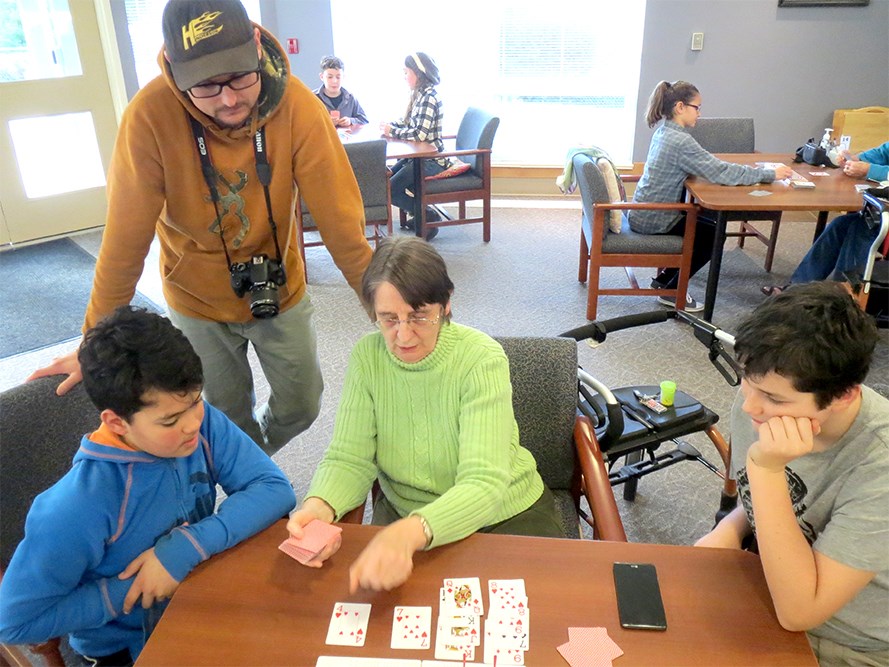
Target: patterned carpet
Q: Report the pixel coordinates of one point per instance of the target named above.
(524, 282)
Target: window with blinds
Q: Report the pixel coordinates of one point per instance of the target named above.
(558, 75)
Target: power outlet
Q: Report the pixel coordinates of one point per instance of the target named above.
(697, 41)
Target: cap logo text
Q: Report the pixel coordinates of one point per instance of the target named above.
(200, 28)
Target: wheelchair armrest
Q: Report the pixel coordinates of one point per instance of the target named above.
(596, 485)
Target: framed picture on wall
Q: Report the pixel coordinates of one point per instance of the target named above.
(823, 3)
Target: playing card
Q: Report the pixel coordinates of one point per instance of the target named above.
(508, 605)
(594, 641)
(460, 629)
(412, 627)
(819, 173)
(450, 648)
(348, 624)
(506, 587)
(508, 624)
(759, 193)
(503, 655)
(316, 536)
(575, 657)
(462, 595)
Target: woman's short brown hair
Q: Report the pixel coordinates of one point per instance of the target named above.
(413, 267)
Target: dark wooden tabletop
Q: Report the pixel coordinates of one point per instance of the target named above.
(253, 605)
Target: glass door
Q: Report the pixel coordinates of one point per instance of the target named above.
(57, 118)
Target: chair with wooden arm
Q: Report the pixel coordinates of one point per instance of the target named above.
(602, 245)
(474, 141)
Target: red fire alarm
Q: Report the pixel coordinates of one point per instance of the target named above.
(292, 45)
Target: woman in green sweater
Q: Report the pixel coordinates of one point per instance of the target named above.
(426, 410)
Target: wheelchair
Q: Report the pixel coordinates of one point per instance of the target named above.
(631, 424)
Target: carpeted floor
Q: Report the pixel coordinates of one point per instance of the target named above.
(524, 282)
(44, 290)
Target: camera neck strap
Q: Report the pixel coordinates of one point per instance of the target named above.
(263, 171)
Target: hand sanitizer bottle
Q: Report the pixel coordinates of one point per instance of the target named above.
(825, 140)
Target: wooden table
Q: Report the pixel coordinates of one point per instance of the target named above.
(835, 192)
(253, 605)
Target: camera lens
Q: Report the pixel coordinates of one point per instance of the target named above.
(264, 300)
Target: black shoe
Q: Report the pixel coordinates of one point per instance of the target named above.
(432, 216)
(408, 224)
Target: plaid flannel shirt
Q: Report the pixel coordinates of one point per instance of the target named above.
(424, 123)
(673, 156)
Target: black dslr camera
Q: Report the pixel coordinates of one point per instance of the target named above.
(260, 277)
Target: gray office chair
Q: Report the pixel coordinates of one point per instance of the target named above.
(474, 141)
(368, 160)
(40, 432)
(543, 372)
(736, 135)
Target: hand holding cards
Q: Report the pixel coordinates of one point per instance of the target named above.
(317, 535)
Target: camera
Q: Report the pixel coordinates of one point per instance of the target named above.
(260, 278)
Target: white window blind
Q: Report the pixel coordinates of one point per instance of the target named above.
(558, 75)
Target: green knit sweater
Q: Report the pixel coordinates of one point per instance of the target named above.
(439, 435)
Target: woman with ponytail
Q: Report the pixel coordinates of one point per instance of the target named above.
(673, 156)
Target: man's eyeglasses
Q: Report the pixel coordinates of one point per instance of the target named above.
(391, 323)
(696, 107)
(237, 82)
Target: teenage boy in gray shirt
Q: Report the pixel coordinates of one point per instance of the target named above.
(810, 451)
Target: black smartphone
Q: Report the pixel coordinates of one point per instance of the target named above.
(639, 601)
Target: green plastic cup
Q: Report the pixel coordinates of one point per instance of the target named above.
(668, 392)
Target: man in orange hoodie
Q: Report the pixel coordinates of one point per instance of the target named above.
(209, 157)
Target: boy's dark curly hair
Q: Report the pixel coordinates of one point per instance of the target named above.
(132, 352)
(815, 335)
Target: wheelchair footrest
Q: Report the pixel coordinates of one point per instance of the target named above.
(683, 452)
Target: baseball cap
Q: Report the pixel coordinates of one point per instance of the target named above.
(206, 38)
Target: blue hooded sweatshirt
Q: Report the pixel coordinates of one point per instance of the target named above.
(114, 504)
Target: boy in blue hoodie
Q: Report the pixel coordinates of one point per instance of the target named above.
(108, 544)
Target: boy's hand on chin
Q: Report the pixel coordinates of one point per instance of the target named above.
(781, 440)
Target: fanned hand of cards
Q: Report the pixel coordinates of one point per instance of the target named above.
(589, 647)
(316, 536)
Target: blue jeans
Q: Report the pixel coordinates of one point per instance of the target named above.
(288, 354)
(402, 181)
(842, 247)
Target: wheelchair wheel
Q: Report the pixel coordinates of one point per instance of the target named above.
(631, 484)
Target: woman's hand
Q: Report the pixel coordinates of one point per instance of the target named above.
(782, 172)
(388, 560)
(856, 169)
(312, 509)
(386, 129)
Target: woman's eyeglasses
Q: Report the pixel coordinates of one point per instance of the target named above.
(237, 82)
(696, 107)
(391, 323)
